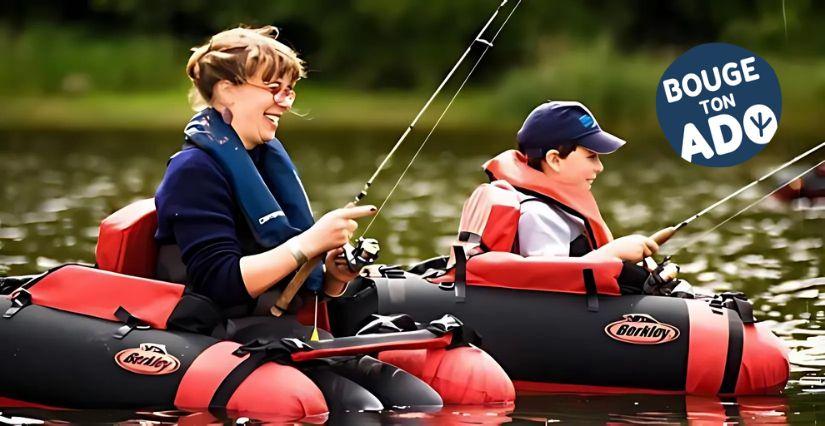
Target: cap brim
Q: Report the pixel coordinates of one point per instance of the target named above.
(601, 142)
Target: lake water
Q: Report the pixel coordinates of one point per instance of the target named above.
(57, 187)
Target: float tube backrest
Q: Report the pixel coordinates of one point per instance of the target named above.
(542, 273)
(92, 292)
(126, 243)
(491, 213)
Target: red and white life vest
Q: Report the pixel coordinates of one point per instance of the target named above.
(488, 233)
(511, 166)
(489, 218)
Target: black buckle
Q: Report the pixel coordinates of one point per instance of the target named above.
(388, 324)
(737, 301)
(19, 300)
(294, 344)
(461, 334)
(272, 349)
(445, 324)
(591, 290)
(460, 285)
(130, 322)
(391, 271)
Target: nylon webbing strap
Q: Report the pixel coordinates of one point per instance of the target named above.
(130, 322)
(20, 299)
(234, 379)
(460, 274)
(592, 291)
(734, 358)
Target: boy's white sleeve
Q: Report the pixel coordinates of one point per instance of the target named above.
(542, 231)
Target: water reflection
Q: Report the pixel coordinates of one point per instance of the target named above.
(57, 188)
(530, 409)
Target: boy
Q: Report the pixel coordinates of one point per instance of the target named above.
(555, 166)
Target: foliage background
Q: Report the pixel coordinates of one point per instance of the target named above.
(119, 64)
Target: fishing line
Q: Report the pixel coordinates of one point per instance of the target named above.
(296, 282)
(750, 185)
(410, 127)
(488, 44)
(696, 239)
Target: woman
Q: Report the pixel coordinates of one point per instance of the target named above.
(232, 209)
(239, 220)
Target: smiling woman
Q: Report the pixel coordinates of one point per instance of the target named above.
(232, 222)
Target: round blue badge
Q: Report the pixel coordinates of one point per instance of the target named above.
(718, 104)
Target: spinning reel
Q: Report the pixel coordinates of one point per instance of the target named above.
(364, 253)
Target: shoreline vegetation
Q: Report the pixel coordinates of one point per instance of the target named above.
(119, 85)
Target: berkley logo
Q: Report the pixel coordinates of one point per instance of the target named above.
(150, 359)
(641, 329)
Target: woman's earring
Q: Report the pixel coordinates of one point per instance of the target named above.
(226, 114)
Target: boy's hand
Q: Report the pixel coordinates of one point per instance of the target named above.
(632, 248)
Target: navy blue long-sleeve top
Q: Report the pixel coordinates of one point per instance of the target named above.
(197, 210)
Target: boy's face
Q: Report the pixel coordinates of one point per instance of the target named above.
(579, 168)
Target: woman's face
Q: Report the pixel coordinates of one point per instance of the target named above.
(256, 106)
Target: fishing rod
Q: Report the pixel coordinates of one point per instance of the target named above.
(297, 281)
(663, 235)
(488, 45)
(458, 63)
(731, 217)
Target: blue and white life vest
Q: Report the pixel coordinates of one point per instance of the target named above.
(273, 201)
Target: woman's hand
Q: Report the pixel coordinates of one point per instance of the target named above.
(332, 230)
(337, 266)
(632, 248)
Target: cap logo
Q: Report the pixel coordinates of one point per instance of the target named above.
(587, 121)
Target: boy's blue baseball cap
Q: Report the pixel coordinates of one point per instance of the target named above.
(555, 123)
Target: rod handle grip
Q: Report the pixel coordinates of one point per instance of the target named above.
(661, 236)
(294, 285)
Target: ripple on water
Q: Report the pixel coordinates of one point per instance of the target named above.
(772, 251)
(39, 217)
(47, 263)
(12, 233)
(14, 260)
(100, 187)
(795, 285)
(56, 205)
